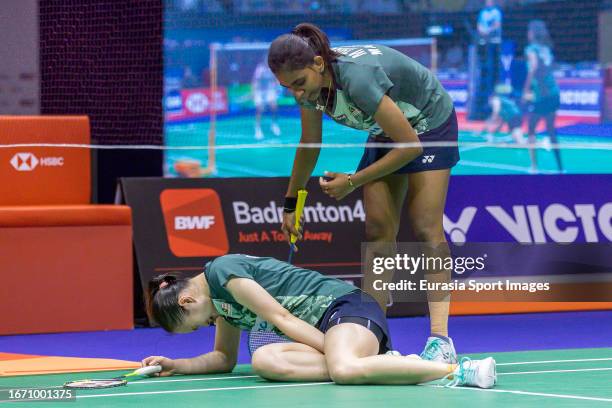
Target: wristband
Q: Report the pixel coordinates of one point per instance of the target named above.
(289, 205)
(350, 182)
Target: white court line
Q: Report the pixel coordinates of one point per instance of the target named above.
(326, 383)
(555, 361)
(565, 396)
(498, 364)
(537, 394)
(255, 376)
(467, 149)
(557, 371)
(124, 394)
(193, 379)
(503, 167)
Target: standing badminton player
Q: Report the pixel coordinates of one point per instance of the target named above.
(395, 99)
(265, 93)
(541, 93)
(339, 332)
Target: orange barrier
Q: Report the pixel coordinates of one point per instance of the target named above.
(45, 175)
(499, 302)
(65, 265)
(23, 364)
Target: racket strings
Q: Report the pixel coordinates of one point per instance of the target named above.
(95, 384)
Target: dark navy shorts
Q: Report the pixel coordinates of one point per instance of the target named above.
(544, 106)
(360, 308)
(433, 158)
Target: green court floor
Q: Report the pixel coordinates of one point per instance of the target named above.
(266, 159)
(555, 378)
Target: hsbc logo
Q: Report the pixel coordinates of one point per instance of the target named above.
(27, 161)
(194, 223)
(539, 224)
(197, 102)
(24, 162)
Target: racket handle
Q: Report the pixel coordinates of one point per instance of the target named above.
(299, 209)
(148, 370)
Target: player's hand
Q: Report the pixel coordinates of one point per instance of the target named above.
(528, 96)
(336, 185)
(168, 365)
(288, 227)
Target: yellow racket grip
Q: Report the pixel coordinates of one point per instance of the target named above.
(299, 209)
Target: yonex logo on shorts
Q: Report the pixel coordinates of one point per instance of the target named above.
(194, 222)
(428, 159)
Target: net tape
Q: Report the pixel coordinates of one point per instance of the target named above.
(538, 145)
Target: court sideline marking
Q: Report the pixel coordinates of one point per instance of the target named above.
(536, 394)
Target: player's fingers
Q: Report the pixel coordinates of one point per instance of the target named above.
(147, 361)
(155, 361)
(330, 174)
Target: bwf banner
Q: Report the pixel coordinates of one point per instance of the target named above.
(180, 224)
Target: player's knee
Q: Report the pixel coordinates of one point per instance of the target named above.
(267, 363)
(380, 229)
(425, 230)
(346, 373)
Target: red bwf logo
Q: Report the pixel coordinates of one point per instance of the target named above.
(194, 222)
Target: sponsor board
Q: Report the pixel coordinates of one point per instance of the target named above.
(180, 224)
(528, 209)
(579, 96)
(194, 103)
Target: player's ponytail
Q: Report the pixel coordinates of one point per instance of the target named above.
(162, 300)
(297, 50)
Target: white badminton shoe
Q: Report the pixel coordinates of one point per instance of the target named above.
(473, 373)
(440, 350)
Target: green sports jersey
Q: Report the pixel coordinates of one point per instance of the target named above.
(365, 73)
(304, 293)
(543, 83)
(508, 109)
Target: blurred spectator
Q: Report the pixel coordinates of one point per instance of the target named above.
(490, 23)
(489, 27)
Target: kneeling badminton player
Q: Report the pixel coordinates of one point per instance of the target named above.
(339, 333)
